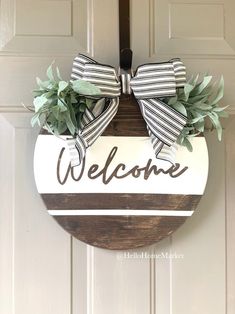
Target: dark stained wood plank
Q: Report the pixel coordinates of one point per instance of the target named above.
(120, 232)
(121, 201)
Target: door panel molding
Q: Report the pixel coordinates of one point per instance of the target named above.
(36, 252)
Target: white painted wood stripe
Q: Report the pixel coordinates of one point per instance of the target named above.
(120, 212)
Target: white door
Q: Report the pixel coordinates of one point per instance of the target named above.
(42, 269)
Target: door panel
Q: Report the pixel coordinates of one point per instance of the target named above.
(201, 33)
(36, 255)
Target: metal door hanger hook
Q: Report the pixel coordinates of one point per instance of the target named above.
(126, 59)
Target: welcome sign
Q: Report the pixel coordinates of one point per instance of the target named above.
(115, 167)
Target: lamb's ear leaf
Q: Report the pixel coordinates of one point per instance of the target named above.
(178, 106)
(193, 80)
(200, 125)
(187, 90)
(216, 123)
(219, 109)
(50, 74)
(70, 125)
(58, 74)
(220, 92)
(35, 119)
(172, 100)
(206, 81)
(187, 144)
(39, 102)
(62, 86)
(85, 88)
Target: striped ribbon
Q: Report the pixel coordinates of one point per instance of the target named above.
(164, 124)
(94, 122)
(150, 83)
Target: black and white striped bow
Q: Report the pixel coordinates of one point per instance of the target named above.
(150, 83)
(164, 124)
(94, 122)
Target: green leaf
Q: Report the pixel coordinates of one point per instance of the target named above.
(195, 120)
(193, 100)
(219, 109)
(90, 103)
(204, 83)
(215, 121)
(172, 100)
(180, 108)
(188, 144)
(82, 107)
(202, 106)
(187, 90)
(193, 80)
(42, 85)
(220, 93)
(61, 105)
(35, 119)
(39, 102)
(70, 125)
(73, 98)
(62, 86)
(85, 88)
(200, 125)
(50, 73)
(58, 74)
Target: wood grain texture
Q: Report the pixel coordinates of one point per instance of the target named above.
(121, 201)
(128, 120)
(120, 232)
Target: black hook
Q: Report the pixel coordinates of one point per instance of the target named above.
(126, 59)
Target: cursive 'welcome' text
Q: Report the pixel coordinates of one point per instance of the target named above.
(120, 171)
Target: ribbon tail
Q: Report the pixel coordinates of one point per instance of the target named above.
(164, 125)
(75, 159)
(93, 128)
(162, 151)
(168, 153)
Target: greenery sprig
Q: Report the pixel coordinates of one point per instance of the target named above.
(199, 101)
(59, 105)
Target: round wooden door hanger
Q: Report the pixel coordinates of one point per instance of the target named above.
(121, 196)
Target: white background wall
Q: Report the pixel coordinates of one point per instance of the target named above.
(42, 269)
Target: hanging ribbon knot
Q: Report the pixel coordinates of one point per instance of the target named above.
(150, 83)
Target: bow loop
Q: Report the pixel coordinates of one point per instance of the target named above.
(102, 76)
(154, 80)
(180, 72)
